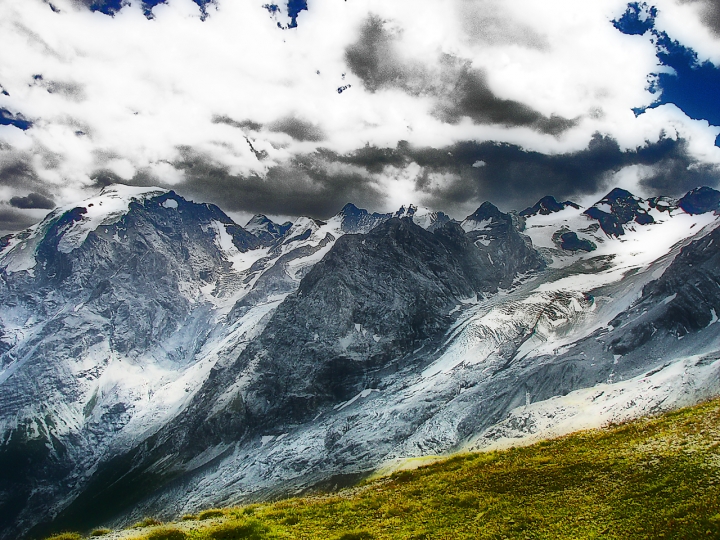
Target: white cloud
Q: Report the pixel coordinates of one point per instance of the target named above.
(147, 88)
(682, 20)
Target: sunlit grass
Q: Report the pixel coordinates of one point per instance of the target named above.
(653, 478)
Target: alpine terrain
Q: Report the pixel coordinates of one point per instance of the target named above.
(157, 358)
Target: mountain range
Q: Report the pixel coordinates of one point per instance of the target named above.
(158, 358)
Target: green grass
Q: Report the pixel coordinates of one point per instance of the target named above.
(653, 478)
(166, 533)
(66, 536)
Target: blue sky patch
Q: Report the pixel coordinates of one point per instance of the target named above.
(18, 120)
(637, 19)
(692, 86)
(108, 7)
(148, 5)
(294, 8)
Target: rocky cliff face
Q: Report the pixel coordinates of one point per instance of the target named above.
(158, 358)
(363, 309)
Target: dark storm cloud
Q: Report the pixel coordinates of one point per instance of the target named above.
(452, 178)
(16, 171)
(12, 220)
(103, 178)
(473, 98)
(298, 129)
(303, 186)
(32, 200)
(674, 171)
(373, 58)
(515, 178)
(459, 90)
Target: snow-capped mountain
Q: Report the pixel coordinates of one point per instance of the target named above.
(266, 229)
(547, 205)
(424, 217)
(358, 220)
(113, 312)
(158, 358)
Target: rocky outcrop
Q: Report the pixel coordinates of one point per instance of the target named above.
(357, 220)
(618, 208)
(266, 230)
(700, 200)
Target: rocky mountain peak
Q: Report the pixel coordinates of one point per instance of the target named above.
(663, 204)
(356, 220)
(424, 217)
(266, 229)
(487, 216)
(700, 200)
(547, 205)
(618, 208)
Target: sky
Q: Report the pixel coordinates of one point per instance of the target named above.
(297, 108)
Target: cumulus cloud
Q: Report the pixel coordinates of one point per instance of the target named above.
(217, 102)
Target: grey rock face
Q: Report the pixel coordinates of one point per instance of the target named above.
(126, 290)
(356, 220)
(700, 200)
(570, 242)
(684, 300)
(266, 230)
(509, 251)
(370, 302)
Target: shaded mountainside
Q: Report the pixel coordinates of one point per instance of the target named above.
(113, 313)
(547, 205)
(618, 208)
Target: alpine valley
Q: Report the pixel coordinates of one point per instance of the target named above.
(156, 358)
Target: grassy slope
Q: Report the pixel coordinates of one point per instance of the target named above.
(653, 478)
